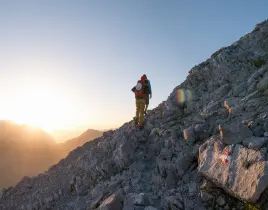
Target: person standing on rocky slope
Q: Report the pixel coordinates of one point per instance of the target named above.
(141, 90)
(148, 96)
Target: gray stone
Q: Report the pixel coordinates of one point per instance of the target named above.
(183, 162)
(192, 187)
(221, 91)
(199, 119)
(207, 185)
(239, 88)
(255, 142)
(111, 203)
(258, 131)
(221, 200)
(234, 133)
(150, 208)
(1, 193)
(96, 202)
(188, 134)
(123, 154)
(171, 179)
(133, 199)
(206, 196)
(172, 202)
(265, 126)
(263, 84)
(201, 131)
(245, 176)
(253, 95)
(188, 204)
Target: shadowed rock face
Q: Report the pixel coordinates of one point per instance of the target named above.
(156, 168)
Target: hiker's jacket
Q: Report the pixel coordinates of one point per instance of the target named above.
(150, 88)
(147, 89)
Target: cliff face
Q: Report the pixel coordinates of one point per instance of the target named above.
(204, 147)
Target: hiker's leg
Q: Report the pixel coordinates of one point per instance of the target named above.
(146, 104)
(146, 107)
(137, 111)
(142, 106)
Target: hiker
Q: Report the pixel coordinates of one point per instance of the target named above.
(140, 90)
(148, 94)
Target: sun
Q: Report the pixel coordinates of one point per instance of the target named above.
(41, 107)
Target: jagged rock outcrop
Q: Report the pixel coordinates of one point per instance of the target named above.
(176, 161)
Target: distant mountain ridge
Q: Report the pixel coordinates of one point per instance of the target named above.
(88, 135)
(28, 151)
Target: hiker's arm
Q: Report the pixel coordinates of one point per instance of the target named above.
(133, 89)
(150, 89)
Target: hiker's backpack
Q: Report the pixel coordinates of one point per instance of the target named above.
(141, 88)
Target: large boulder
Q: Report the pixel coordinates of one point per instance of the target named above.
(244, 175)
(234, 133)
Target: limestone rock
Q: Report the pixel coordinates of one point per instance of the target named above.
(245, 176)
(189, 135)
(133, 199)
(111, 203)
(255, 142)
(206, 196)
(221, 200)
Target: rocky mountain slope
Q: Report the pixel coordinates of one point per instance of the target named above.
(67, 146)
(27, 151)
(207, 152)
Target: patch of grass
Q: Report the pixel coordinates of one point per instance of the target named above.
(250, 206)
(259, 63)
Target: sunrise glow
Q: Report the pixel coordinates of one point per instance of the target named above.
(40, 107)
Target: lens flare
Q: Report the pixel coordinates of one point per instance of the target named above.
(184, 95)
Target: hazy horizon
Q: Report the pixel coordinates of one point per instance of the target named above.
(62, 135)
(71, 65)
(29, 151)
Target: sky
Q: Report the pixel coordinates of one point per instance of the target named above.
(68, 64)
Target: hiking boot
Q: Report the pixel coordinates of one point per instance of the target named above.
(135, 120)
(140, 127)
